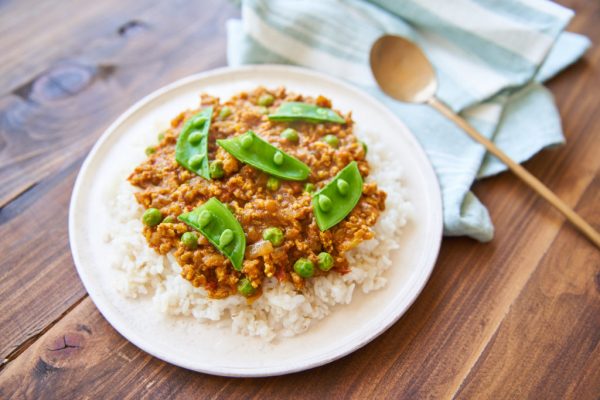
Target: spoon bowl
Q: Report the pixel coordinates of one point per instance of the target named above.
(402, 70)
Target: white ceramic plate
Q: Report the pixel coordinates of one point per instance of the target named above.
(215, 349)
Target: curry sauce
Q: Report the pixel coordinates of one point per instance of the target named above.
(252, 198)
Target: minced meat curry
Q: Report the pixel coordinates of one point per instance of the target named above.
(281, 234)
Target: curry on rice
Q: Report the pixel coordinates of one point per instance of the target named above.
(283, 233)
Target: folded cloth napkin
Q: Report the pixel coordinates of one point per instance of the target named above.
(490, 57)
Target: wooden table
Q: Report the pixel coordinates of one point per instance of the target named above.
(515, 318)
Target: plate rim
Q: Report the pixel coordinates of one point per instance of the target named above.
(253, 371)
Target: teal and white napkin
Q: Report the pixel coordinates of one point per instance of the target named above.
(490, 57)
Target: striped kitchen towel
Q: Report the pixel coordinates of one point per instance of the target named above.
(490, 58)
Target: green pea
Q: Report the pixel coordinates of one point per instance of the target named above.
(296, 111)
(310, 188)
(195, 161)
(273, 183)
(195, 137)
(263, 110)
(251, 149)
(273, 235)
(245, 287)
(291, 135)
(365, 147)
(246, 141)
(192, 144)
(224, 113)
(226, 237)
(204, 218)
(324, 261)
(332, 140)
(190, 240)
(342, 187)
(169, 220)
(216, 169)
(324, 203)
(266, 100)
(304, 267)
(220, 227)
(161, 136)
(328, 216)
(152, 217)
(278, 158)
(199, 120)
(150, 150)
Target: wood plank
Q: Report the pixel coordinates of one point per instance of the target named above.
(38, 281)
(548, 344)
(84, 341)
(31, 32)
(47, 123)
(45, 132)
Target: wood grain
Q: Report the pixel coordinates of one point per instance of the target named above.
(42, 25)
(52, 119)
(40, 279)
(516, 318)
(551, 328)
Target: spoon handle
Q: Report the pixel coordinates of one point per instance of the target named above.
(521, 172)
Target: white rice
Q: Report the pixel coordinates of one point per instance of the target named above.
(281, 311)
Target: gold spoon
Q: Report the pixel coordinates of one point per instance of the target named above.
(404, 73)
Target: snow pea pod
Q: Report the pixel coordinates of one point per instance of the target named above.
(344, 190)
(214, 220)
(249, 148)
(191, 151)
(296, 111)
